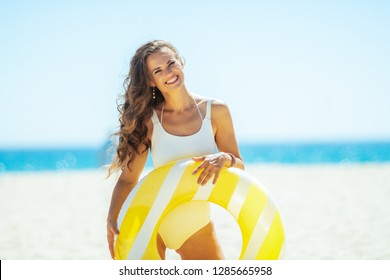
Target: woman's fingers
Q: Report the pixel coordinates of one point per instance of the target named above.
(206, 175)
(112, 230)
(201, 166)
(216, 175)
(199, 158)
(211, 165)
(110, 239)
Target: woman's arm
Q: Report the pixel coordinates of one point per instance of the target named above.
(229, 154)
(225, 136)
(126, 182)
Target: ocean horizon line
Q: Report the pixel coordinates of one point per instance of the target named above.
(64, 158)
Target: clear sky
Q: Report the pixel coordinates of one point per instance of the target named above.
(289, 70)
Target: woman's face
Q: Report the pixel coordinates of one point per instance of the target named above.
(165, 71)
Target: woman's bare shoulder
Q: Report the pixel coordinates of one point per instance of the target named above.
(215, 103)
(219, 108)
(199, 99)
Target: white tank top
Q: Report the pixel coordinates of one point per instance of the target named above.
(167, 147)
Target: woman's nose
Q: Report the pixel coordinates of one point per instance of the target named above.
(168, 70)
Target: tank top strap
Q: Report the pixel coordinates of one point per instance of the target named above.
(208, 109)
(155, 119)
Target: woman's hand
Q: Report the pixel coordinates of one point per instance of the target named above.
(211, 165)
(112, 231)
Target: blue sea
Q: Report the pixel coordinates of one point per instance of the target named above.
(32, 160)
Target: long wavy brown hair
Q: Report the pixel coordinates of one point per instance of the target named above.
(136, 107)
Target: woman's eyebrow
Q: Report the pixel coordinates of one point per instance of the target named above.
(169, 61)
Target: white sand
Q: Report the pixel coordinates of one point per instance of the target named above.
(329, 211)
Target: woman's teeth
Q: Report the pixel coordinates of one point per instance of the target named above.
(171, 81)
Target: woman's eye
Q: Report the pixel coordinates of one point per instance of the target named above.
(171, 64)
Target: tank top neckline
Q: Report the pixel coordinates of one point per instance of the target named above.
(189, 135)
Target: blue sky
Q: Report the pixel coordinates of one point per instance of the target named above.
(289, 70)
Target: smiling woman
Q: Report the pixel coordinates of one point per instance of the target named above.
(171, 65)
(167, 70)
(160, 115)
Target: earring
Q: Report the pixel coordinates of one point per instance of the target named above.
(154, 93)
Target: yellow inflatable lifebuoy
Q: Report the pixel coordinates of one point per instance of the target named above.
(173, 184)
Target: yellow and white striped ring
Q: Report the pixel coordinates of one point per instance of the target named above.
(173, 184)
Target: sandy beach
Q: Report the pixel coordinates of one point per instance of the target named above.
(329, 211)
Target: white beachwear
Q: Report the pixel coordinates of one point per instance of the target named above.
(186, 219)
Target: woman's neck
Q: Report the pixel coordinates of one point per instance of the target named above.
(178, 101)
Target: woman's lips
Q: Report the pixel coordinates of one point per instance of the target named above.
(172, 81)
